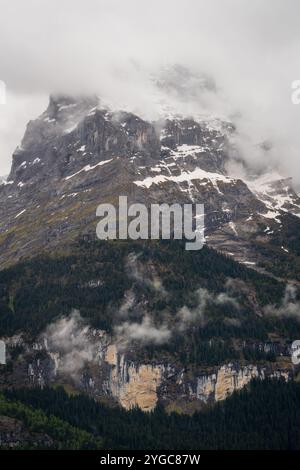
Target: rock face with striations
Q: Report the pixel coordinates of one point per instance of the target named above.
(113, 376)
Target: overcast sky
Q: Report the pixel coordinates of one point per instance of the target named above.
(251, 48)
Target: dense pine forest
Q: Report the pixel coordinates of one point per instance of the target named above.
(263, 416)
(96, 277)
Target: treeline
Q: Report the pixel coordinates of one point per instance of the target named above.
(266, 415)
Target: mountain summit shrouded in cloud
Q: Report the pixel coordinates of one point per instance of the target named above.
(245, 53)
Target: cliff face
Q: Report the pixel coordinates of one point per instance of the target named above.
(111, 375)
(231, 377)
(133, 385)
(138, 388)
(143, 385)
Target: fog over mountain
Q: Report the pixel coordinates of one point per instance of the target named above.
(245, 53)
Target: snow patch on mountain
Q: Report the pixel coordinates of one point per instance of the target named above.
(89, 168)
(196, 174)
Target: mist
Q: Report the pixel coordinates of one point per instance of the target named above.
(143, 330)
(289, 306)
(70, 337)
(248, 50)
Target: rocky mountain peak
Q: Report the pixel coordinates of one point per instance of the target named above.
(78, 154)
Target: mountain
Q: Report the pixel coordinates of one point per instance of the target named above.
(141, 323)
(77, 155)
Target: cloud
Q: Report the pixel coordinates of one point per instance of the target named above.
(147, 332)
(72, 341)
(144, 333)
(14, 116)
(249, 50)
(198, 315)
(290, 305)
(71, 338)
(128, 304)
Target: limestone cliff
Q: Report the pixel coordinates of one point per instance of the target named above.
(229, 378)
(132, 383)
(135, 384)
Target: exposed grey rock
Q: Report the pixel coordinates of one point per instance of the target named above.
(77, 155)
